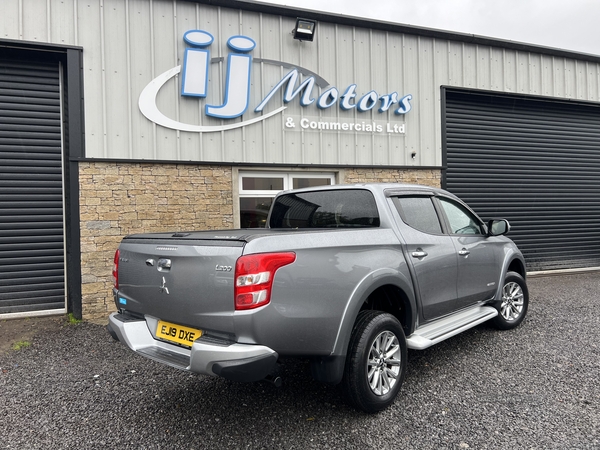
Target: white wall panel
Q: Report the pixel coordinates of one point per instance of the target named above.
(190, 109)
(582, 85)
(522, 75)
(455, 64)
(428, 95)
(34, 21)
(328, 69)
(592, 81)
(211, 143)
(497, 69)
(413, 140)
(396, 74)
(535, 74)
(510, 71)
(142, 135)
(116, 73)
(483, 67)
(547, 76)
(558, 66)
(470, 65)
(165, 57)
(61, 19)
(571, 78)
(90, 36)
(128, 43)
(378, 75)
(10, 20)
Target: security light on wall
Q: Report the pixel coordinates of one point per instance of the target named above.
(304, 30)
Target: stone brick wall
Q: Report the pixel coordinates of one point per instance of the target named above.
(428, 177)
(117, 199)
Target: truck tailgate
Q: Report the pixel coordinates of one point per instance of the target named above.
(188, 282)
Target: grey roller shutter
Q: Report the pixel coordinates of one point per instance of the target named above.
(32, 259)
(533, 161)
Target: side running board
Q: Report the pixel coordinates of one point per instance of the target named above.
(444, 328)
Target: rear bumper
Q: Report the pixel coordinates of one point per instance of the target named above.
(236, 362)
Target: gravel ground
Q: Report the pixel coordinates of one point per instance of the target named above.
(535, 387)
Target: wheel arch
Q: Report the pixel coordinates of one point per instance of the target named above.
(513, 262)
(391, 299)
(373, 290)
(517, 265)
(389, 289)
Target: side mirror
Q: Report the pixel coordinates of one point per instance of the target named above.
(498, 227)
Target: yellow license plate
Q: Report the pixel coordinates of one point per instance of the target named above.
(176, 333)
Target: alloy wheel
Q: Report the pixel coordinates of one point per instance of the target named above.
(383, 365)
(512, 301)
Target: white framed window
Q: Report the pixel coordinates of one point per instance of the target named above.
(257, 190)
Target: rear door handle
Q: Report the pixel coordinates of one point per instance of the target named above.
(464, 252)
(419, 253)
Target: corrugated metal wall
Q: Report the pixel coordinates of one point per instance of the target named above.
(534, 162)
(32, 253)
(129, 42)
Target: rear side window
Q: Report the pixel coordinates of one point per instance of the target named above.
(419, 213)
(348, 208)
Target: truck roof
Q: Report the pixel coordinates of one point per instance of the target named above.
(382, 188)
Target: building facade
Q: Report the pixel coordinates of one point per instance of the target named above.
(129, 116)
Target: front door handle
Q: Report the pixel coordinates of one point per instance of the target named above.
(419, 253)
(464, 252)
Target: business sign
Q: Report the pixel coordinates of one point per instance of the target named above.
(311, 92)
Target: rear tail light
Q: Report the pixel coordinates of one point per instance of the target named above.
(254, 276)
(115, 271)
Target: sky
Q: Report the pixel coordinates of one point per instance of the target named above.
(565, 24)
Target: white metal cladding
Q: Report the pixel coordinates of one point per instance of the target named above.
(127, 43)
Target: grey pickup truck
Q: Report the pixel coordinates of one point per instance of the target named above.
(347, 276)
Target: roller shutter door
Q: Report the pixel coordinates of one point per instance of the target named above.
(32, 255)
(535, 162)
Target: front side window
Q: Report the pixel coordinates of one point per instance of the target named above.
(461, 220)
(258, 189)
(419, 213)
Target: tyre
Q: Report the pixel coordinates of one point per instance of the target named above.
(376, 361)
(515, 301)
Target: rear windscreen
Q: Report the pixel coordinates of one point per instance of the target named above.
(348, 208)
